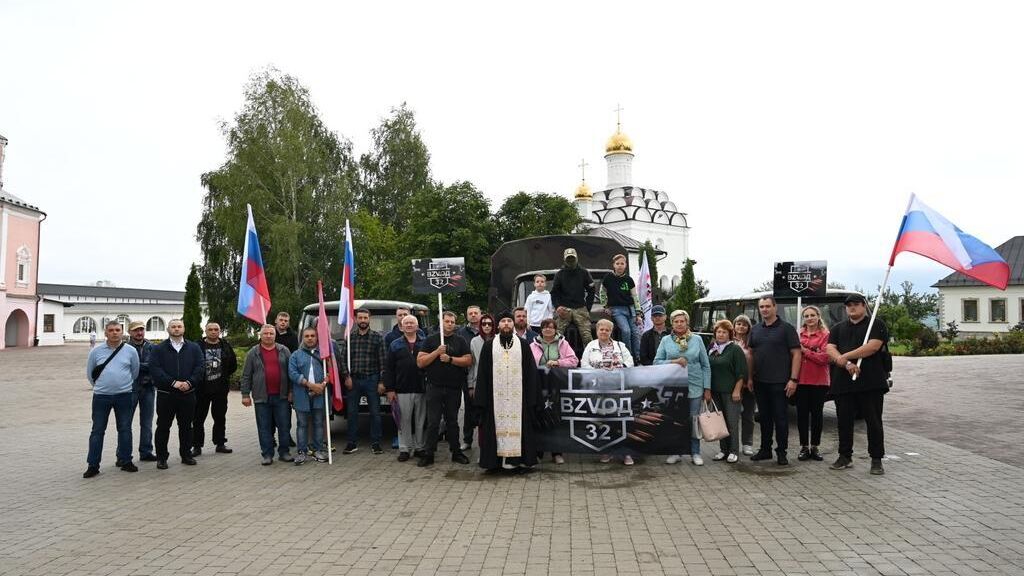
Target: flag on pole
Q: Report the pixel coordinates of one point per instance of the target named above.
(347, 305)
(926, 232)
(253, 293)
(643, 290)
(323, 336)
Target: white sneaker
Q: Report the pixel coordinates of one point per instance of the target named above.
(748, 450)
(698, 460)
(718, 457)
(732, 458)
(606, 458)
(673, 459)
(463, 446)
(627, 460)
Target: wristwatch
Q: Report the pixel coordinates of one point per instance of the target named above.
(794, 380)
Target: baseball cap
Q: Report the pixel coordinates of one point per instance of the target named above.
(855, 299)
(657, 309)
(569, 252)
(135, 325)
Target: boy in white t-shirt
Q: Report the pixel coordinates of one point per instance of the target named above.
(538, 303)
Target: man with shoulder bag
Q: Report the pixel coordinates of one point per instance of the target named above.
(111, 372)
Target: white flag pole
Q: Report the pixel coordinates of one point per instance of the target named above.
(440, 317)
(327, 415)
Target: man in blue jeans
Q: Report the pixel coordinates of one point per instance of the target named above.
(111, 371)
(265, 384)
(621, 304)
(365, 380)
(143, 391)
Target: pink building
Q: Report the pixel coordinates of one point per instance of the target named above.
(20, 225)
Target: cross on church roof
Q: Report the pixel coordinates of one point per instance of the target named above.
(618, 116)
(583, 169)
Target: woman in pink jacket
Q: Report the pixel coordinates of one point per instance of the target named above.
(550, 349)
(814, 382)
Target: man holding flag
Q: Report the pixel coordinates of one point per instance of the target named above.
(365, 350)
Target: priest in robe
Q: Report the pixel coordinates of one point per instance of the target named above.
(507, 394)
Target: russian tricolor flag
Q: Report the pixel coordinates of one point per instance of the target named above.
(253, 294)
(926, 232)
(347, 305)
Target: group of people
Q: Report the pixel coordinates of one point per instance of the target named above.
(479, 381)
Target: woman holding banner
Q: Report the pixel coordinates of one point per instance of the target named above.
(607, 354)
(685, 348)
(728, 378)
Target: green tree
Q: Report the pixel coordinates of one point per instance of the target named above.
(448, 224)
(523, 215)
(686, 292)
(835, 285)
(192, 316)
(298, 177)
(395, 170)
(766, 286)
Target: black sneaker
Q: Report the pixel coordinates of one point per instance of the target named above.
(876, 467)
(120, 463)
(129, 467)
(350, 448)
(762, 455)
(376, 449)
(804, 455)
(460, 458)
(161, 464)
(815, 455)
(223, 449)
(197, 451)
(426, 460)
(91, 471)
(403, 456)
(188, 461)
(782, 460)
(842, 463)
(147, 458)
(417, 453)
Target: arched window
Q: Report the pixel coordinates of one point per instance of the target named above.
(84, 325)
(155, 324)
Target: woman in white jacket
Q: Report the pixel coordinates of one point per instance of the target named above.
(603, 352)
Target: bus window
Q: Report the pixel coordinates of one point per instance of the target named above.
(750, 309)
(703, 324)
(720, 314)
(788, 313)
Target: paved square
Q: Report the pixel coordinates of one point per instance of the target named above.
(956, 507)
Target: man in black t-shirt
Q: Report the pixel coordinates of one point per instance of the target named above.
(776, 349)
(445, 366)
(852, 358)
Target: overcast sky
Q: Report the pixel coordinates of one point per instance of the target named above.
(785, 131)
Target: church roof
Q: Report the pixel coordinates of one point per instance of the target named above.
(9, 198)
(108, 292)
(636, 203)
(627, 242)
(1012, 251)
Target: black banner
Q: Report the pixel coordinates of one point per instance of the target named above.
(800, 279)
(641, 410)
(438, 275)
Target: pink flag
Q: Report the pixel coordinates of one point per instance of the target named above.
(323, 336)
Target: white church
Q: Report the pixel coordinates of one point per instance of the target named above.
(633, 215)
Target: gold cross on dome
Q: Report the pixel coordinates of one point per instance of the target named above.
(583, 169)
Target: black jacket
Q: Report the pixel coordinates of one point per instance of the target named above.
(228, 365)
(574, 288)
(289, 339)
(167, 365)
(401, 374)
(649, 345)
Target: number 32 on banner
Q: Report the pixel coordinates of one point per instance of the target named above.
(598, 432)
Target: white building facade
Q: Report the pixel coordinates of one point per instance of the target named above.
(979, 309)
(641, 214)
(70, 313)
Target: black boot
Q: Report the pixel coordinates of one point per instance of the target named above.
(426, 460)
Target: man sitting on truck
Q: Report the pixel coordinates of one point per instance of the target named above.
(572, 296)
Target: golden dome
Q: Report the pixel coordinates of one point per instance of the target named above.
(583, 192)
(619, 142)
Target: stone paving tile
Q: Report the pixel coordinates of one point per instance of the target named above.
(946, 511)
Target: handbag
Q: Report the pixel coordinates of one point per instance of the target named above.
(712, 423)
(97, 370)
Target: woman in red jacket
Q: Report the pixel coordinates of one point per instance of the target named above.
(810, 392)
